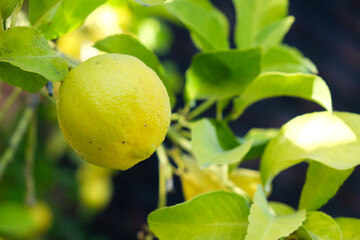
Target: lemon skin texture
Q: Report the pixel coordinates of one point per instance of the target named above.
(113, 110)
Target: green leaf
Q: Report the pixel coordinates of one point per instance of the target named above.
(319, 226)
(7, 7)
(260, 137)
(69, 16)
(328, 138)
(126, 44)
(321, 184)
(267, 85)
(349, 228)
(41, 12)
(28, 81)
(32, 60)
(15, 220)
(150, 2)
(273, 33)
(221, 74)
(260, 22)
(281, 208)
(265, 225)
(286, 59)
(208, 26)
(212, 145)
(216, 215)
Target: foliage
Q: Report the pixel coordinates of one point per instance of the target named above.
(222, 200)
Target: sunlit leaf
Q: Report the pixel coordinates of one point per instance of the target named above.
(221, 74)
(328, 138)
(41, 12)
(215, 215)
(286, 59)
(273, 34)
(260, 22)
(265, 225)
(211, 148)
(69, 16)
(321, 184)
(349, 228)
(208, 26)
(281, 208)
(27, 60)
(319, 226)
(274, 84)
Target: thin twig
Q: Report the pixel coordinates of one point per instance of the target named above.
(1, 89)
(9, 102)
(219, 114)
(29, 162)
(201, 108)
(16, 137)
(176, 137)
(163, 164)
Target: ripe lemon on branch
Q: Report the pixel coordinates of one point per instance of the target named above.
(113, 110)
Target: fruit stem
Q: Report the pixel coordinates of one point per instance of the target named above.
(45, 94)
(164, 172)
(201, 108)
(17, 136)
(225, 174)
(176, 137)
(9, 101)
(29, 162)
(219, 115)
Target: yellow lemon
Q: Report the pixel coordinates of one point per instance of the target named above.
(42, 217)
(95, 193)
(113, 110)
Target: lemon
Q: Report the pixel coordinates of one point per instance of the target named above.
(113, 110)
(95, 193)
(42, 217)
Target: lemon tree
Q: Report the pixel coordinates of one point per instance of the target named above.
(86, 67)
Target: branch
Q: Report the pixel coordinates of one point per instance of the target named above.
(17, 135)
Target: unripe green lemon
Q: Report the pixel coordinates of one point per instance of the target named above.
(113, 110)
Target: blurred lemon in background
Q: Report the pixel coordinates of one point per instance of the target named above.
(95, 186)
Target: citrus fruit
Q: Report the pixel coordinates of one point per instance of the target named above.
(113, 110)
